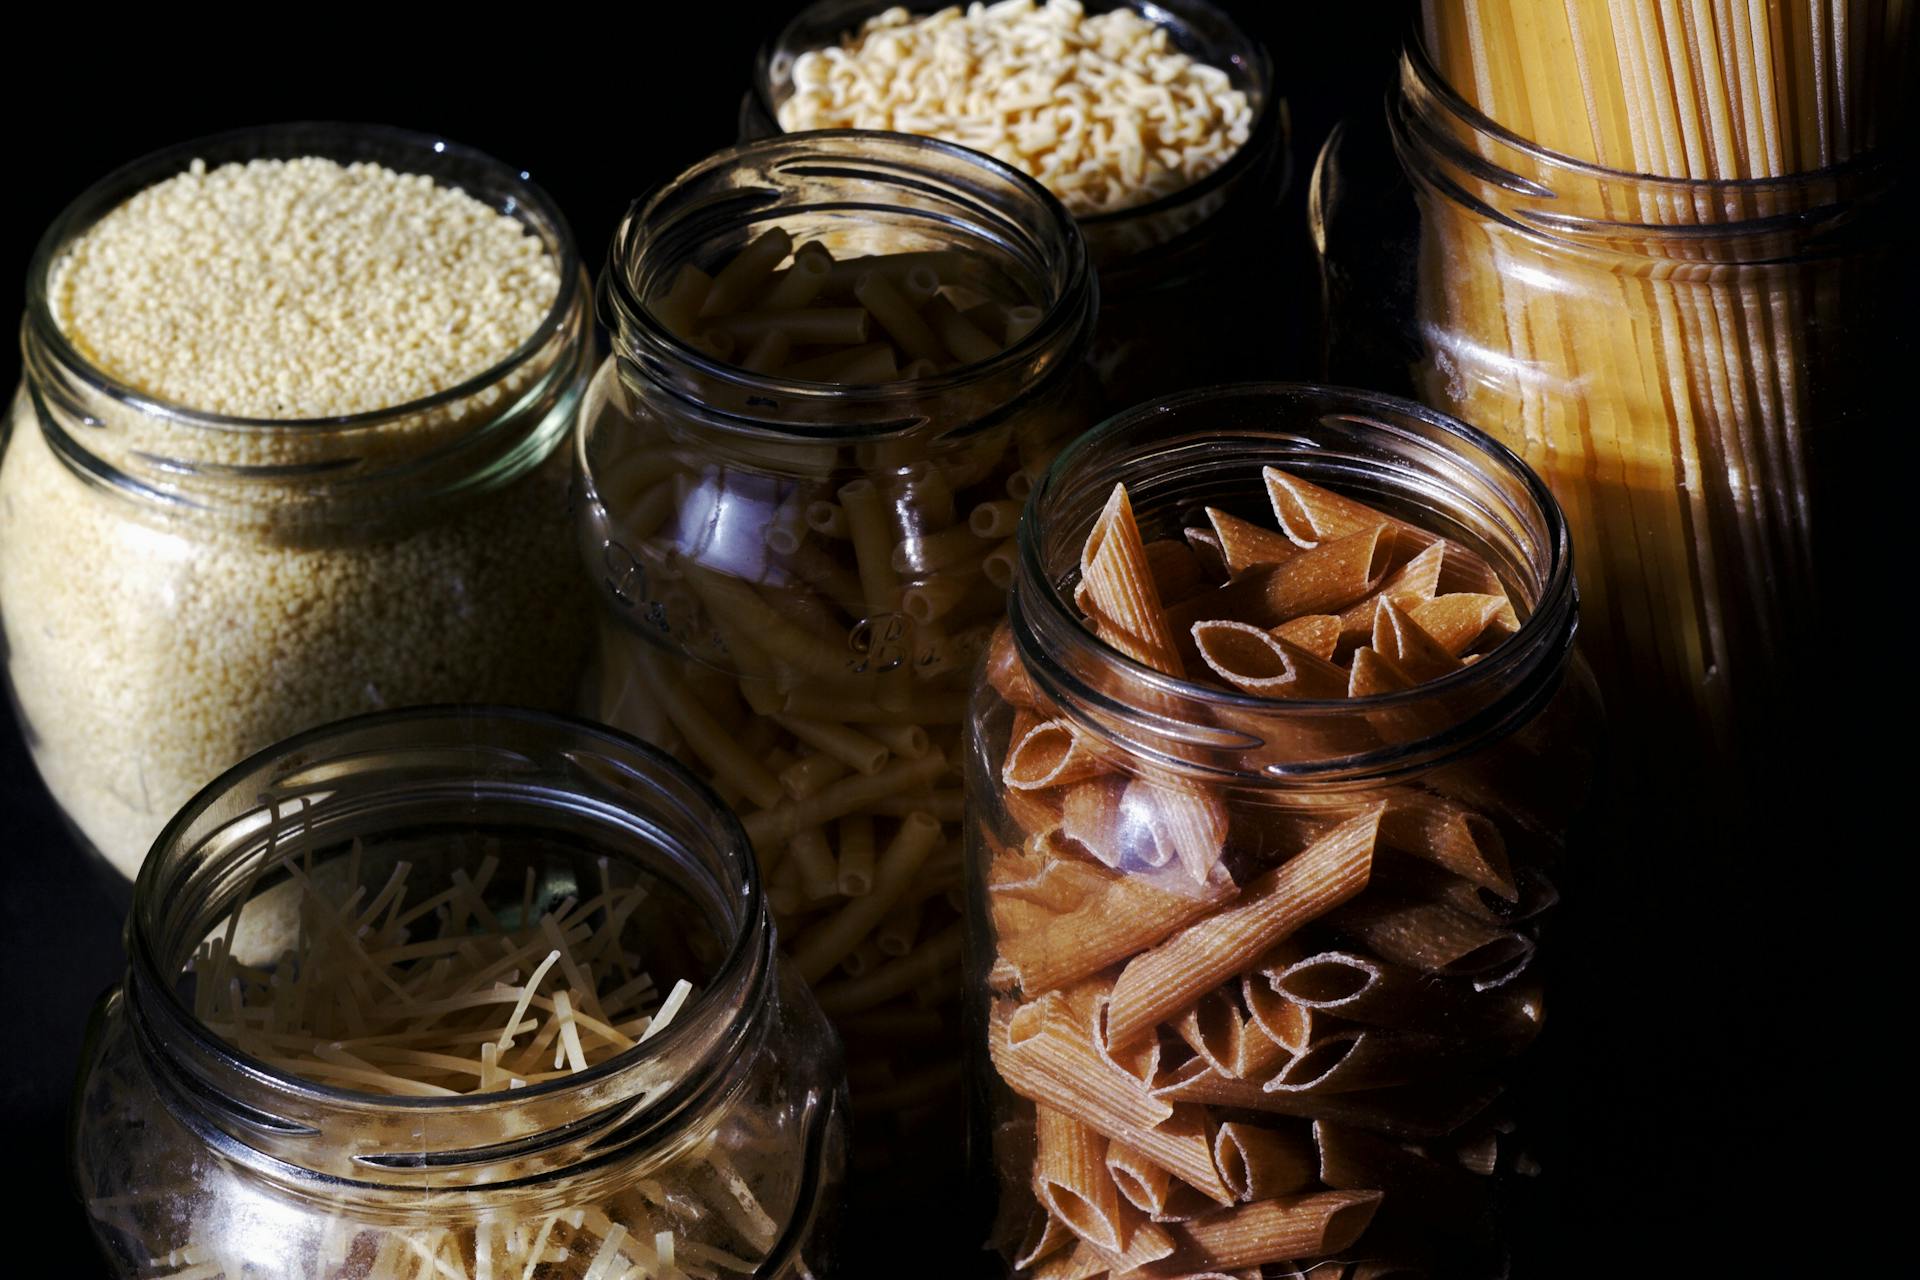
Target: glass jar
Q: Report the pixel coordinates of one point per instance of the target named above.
(1342, 1060)
(1175, 272)
(1679, 359)
(739, 630)
(725, 1132)
(181, 588)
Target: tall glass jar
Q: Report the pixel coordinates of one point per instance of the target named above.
(718, 1143)
(1337, 1086)
(1679, 359)
(818, 677)
(1176, 271)
(181, 588)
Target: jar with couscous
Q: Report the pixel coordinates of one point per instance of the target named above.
(1159, 126)
(284, 451)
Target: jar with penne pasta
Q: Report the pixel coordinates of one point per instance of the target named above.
(458, 992)
(1160, 126)
(1275, 766)
(839, 362)
(1659, 272)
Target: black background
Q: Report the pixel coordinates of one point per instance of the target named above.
(1668, 1085)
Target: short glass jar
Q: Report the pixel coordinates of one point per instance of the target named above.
(180, 589)
(721, 1139)
(821, 685)
(1175, 272)
(1348, 1069)
(1679, 359)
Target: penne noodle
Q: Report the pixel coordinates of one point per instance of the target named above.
(824, 945)
(856, 750)
(1206, 548)
(827, 519)
(837, 800)
(926, 963)
(819, 874)
(1430, 1109)
(802, 281)
(679, 306)
(1440, 1195)
(1071, 1179)
(1312, 516)
(1160, 983)
(1433, 939)
(1254, 661)
(767, 352)
(1451, 836)
(995, 519)
(812, 326)
(1243, 545)
(1050, 754)
(1410, 586)
(963, 339)
(931, 553)
(1260, 1163)
(853, 872)
(1117, 577)
(1399, 639)
(1317, 633)
(1176, 570)
(809, 774)
(893, 313)
(1277, 1230)
(1363, 989)
(867, 363)
(1000, 563)
(1457, 621)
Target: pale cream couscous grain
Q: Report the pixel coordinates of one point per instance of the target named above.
(152, 644)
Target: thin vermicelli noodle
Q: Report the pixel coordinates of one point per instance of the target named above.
(1639, 333)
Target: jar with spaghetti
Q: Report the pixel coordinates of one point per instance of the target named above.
(457, 992)
(1649, 255)
(1276, 767)
(1159, 126)
(287, 449)
(839, 361)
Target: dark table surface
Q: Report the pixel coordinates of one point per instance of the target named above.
(1670, 1083)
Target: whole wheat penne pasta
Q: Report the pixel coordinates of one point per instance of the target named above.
(1006, 673)
(1399, 639)
(1430, 1109)
(1409, 586)
(1260, 1162)
(1254, 661)
(745, 273)
(1244, 545)
(1312, 516)
(1464, 571)
(895, 978)
(1149, 1244)
(1449, 835)
(1456, 621)
(1078, 1263)
(801, 281)
(1050, 754)
(1305, 1226)
(1186, 819)
(1095, 818)
(1146, 1185)
(1444, 1196)
(1353, 1058)
(1045, 1052)
(841, 798)
(1071, 1179)
(1317, 633)
(1434, 939)
(1114, 568)
(1214, 1029)
(1160, 983)
(1102, 917)
(822, 946)
(1176, 570)
(1287, 1024)
(1044, 1237)
(1370, 675)
(1205, 544)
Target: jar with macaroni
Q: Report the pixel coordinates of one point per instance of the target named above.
(1159, 126)
(287, 449)
(1277, 767)
(458, 992)
(840, 360)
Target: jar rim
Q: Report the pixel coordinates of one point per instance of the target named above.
(1417, 64)
(1252, 55)
(1061, 318)
(336, 140)
(1547, 631)
(751, 939)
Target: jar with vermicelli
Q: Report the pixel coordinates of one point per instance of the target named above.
(1159, 126)
(286, 449)
(458, 992)
(840, 359)
(1276, 768)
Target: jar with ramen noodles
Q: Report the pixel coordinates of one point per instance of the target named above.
(1276, 767)
(457, 991)
(840, 360)
(1159, 125)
